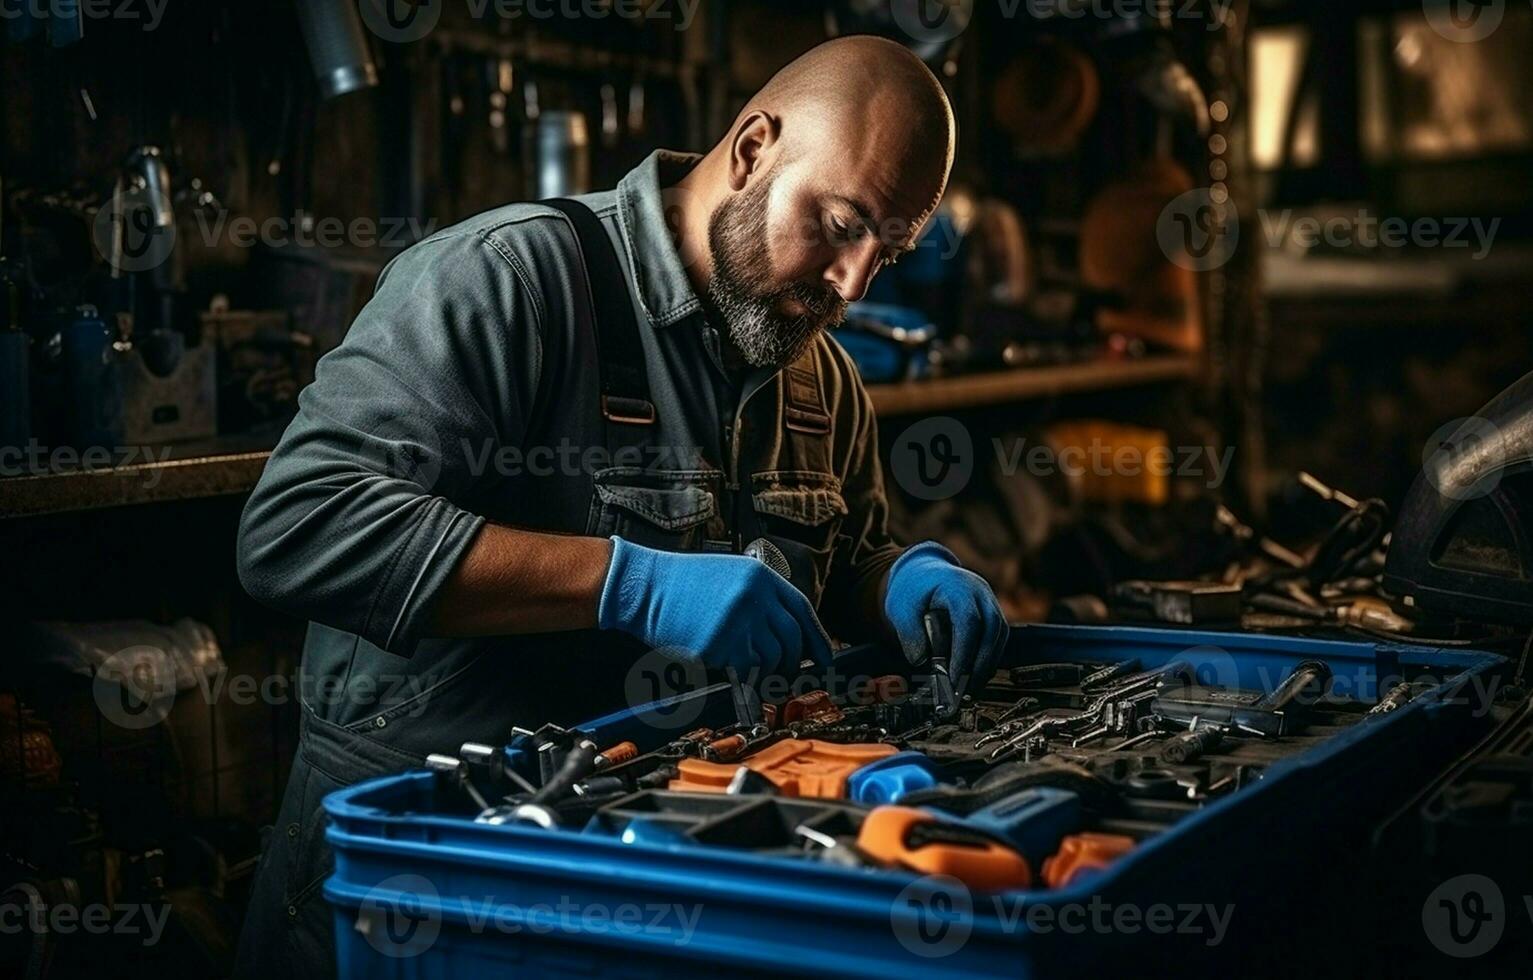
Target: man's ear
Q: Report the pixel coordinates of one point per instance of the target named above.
(750, 147)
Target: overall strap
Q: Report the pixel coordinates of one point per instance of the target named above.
(625, 401)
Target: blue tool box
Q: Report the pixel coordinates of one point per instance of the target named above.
(421, 891)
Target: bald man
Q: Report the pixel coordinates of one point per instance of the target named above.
(547, 442)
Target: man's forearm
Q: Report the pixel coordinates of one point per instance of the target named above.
(517, 581)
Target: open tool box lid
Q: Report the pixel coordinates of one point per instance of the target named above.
(762, 912)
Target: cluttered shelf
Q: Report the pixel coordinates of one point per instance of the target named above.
(1018, 384)
(231, 465)
(207, 468)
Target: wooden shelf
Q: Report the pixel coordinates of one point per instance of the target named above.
(1022, 384)
(223, 467)
(212, 469)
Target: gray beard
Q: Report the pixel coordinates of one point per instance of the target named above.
(742, 296)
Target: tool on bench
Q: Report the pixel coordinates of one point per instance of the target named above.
(1109, 673)
(1082, 855)
(1115, 703)
(918, 841)
(1279, 713)
(1033, 820)
(1397, 697)
(487, 766)
(939, 691)
(1191, 745)
(454, 773)
(890, 779)
(796, 767)
(1046, 675)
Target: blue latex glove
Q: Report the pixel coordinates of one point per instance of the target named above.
(927, 577)
(723, 611)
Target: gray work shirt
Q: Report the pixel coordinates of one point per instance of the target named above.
(467, 391)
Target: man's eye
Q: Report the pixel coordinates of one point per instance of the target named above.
(842, 233)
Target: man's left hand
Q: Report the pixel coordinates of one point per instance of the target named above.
(928, 577)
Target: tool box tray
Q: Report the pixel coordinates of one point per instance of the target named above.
(420, 890)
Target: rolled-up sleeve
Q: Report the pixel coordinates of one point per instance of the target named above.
(357, 521)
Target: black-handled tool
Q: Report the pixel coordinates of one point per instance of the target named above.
(1302, 688)
(939, 652)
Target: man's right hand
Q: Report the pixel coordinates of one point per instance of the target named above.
(719, 610)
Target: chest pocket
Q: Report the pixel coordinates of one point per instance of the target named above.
(801, 511)
(674, 510)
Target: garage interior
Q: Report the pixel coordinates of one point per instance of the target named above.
(1220, 339)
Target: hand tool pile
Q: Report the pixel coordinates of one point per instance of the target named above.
(1048, 773)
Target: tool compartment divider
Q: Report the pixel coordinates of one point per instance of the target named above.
(769, 913)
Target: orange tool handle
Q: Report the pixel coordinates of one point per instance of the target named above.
(916, 840)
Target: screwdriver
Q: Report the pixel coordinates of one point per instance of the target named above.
(939, 649)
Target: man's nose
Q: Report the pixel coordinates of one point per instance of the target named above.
(853, 270)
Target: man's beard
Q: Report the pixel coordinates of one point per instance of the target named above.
(741, 291)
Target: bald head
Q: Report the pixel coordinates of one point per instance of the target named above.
(865, 93)
(828, 174)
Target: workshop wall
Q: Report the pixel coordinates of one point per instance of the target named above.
(1047, 311)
